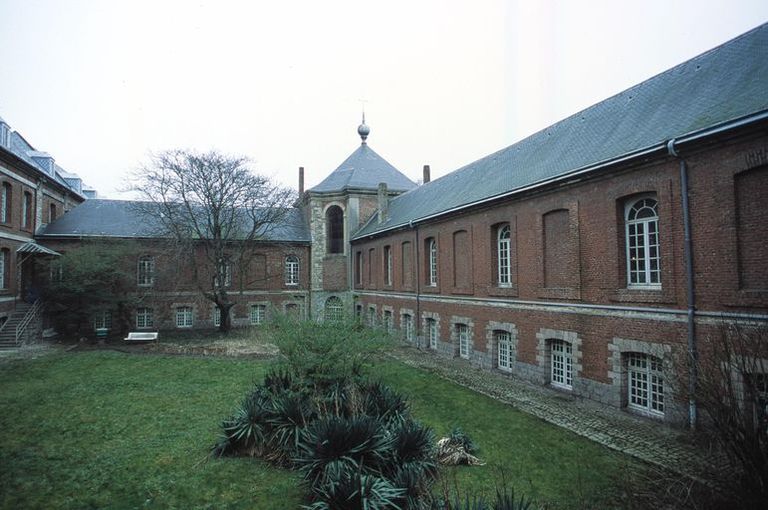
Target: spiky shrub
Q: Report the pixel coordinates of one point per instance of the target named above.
(356, 492)
(413, 466)
(291, 412)
(458, 437)
(247, 431)
(335, 449)
(382, 401)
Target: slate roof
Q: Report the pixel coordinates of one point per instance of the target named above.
(364, 169)
(123, 218)
(727, 83)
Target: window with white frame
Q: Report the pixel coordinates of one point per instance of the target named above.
(184, 317)
(224, 273)
(387, 265)
(334, 309)
(258, 314)
(503, 256)
(408, 326)
(3, 264)
(145, 318)
(371, 316)
(504, 347)
(145, 273)
(5, 206)
(102, 320)
(291, 270)
(432, 261)
(387, 321)
(642, 240)
(216, 316)
(432, 332)
(645, 383)
(26, 210)
(462, 331)
(561, 364)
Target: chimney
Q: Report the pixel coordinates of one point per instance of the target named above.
(383, 202)
(301, 180)
(426, 174)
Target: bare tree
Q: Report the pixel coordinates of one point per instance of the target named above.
(214, 211)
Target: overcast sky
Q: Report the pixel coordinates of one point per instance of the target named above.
(100, 84)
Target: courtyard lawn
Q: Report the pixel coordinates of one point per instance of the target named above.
(111, 430)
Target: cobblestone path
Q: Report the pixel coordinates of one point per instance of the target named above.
(654, 443)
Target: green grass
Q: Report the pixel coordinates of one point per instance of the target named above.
(111, 430)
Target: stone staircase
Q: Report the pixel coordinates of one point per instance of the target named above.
(8, 330)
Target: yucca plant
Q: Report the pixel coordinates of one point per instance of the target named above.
(333, 449)
(382, 401)
(278, 380)
(248, 429)
(357, 492)
(458, 437)
(291, 413)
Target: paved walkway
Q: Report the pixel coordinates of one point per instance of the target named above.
(657, 444)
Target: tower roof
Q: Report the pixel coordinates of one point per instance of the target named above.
(364, 169)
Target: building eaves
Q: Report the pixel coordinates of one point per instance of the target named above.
(726, 86)
(364, 169)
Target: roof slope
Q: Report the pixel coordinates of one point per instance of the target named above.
(124, 218)
(721, 85)
(364, 169)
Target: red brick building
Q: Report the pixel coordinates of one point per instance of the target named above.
(565, 258)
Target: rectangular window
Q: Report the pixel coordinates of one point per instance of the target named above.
(2, 269)
(184, 317)
(387, 321)
(432, 331)
(561, 364)
(503, 341)
(144, 318)
(387, 265)
(432, 262)
(146, 271)
(462, 332)
(645, 383)
(26, 210)
(372, 317)
(408, 327)
(216, 316)
(358, 268)
(102, 320)
(258, 314)
(292, 270)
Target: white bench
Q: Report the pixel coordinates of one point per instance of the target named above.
(142, 336)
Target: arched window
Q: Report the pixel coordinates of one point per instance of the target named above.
(503, 256)
(642, 240)
(145, 273)
(645, 383)
(291, 270)
(5, 206)
(334, 221)
(334, 309)
(432, 261)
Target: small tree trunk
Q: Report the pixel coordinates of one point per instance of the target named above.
(225, 325)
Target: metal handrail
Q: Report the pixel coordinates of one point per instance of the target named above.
(31, 314)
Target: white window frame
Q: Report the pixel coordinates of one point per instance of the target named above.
(387, 265)
(432, 259)
(371, 316)
(145, 317)
(333, 309)
(504, 256)
(225, 268)
(4, 216)
(386, 319)
(145, 271)
(462, 333)
(216, 316)
(184, 317)
(102, 319)
(503, 340)
(291, 270)
(257, 314)
(645, 383)
(561, 363)
(640, 234)
(3, 262)
(408, 326)
(433, 333)
(25, 204)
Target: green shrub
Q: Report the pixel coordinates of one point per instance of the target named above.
(458, 437)
(357, 492)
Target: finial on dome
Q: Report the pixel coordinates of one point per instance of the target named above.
(363, 130)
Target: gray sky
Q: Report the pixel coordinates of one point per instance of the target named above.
(99, 84)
